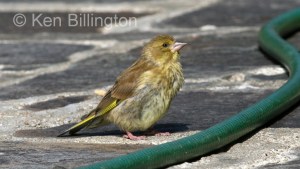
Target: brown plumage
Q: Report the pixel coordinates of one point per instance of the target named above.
(142, 93)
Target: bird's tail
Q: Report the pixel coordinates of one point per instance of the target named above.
(87, 121)
(93, 119)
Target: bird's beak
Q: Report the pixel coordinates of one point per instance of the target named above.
(177, 46)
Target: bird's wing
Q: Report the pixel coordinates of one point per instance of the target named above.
(125, 85)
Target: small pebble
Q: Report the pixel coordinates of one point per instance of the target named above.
(238, 77)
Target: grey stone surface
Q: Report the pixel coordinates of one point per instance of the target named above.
(26, 56)
(48, 77)
(293, 164)
(234, 13)
(21, 155)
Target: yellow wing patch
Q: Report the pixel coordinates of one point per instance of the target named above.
(108, 108)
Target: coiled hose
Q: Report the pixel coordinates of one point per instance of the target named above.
(237, 126)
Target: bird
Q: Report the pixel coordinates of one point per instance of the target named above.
(142, 93)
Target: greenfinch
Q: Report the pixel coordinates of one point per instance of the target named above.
(142, 93)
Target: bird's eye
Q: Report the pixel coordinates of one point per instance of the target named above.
(165, 45)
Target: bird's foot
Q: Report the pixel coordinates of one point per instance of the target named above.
(130, 136)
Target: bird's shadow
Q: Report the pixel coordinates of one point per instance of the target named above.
(102, 131)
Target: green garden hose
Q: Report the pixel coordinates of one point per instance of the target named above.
(237, 126)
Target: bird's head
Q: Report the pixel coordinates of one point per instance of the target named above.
(163, 49)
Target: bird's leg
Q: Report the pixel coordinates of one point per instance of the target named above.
(151, 131)
(130, 136)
